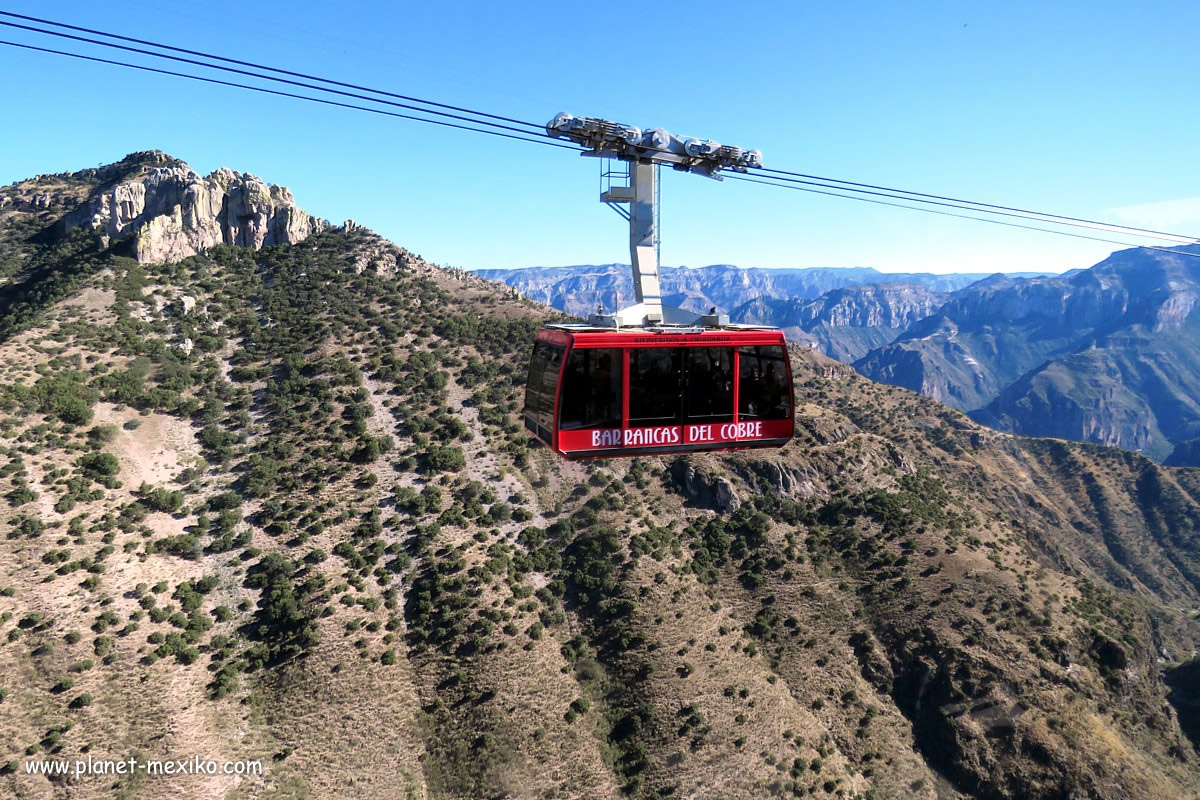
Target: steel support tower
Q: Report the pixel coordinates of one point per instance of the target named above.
(644, 152)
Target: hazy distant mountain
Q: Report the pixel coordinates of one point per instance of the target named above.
(815, 281)
(1110, 354)
(580, 289)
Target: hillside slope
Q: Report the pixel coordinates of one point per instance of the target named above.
(277, 505)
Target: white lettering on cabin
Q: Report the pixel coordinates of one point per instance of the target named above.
(606, 438)
(670, 434)
(741, 430)
(643, 437)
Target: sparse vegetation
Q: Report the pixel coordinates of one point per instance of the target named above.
(326, 517)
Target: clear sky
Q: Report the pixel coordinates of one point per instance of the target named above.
(1090, 109)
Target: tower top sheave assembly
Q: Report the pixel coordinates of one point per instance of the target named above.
(643, 152)
(627, 143)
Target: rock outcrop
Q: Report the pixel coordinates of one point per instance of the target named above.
(706, 489)
(172, 212)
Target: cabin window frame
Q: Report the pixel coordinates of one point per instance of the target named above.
(760, 397)
(541, 395)
(592, 414)
(661, 391)
(691, 393)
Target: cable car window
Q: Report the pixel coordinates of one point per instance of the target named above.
(709, 384)
(549, 386)
(763, 383)
(533, 381)
(654, 386)
(591, 393)
(541, 384)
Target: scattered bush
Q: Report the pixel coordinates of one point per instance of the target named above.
(445, 459)
(99, 466)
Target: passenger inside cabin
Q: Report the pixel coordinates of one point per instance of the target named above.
(772, 392)
(602, 398)
(753, 392)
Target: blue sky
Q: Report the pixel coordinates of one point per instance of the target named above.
(1085, 109)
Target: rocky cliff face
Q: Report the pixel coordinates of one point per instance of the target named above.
(173, 213)
(873, 306)
(1185, 454)
(1082, 396)
(580, 290)
(845, 323)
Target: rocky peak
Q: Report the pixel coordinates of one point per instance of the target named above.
(137, 162)
(172, 212)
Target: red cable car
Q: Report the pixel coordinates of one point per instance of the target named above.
(652, 378)
(597, 392)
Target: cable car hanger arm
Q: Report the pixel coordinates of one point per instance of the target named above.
(644, 152)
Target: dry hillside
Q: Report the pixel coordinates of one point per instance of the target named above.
(278, 505)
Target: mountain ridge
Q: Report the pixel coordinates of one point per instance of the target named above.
(1106, 354)
(318, 537)
(578, 289)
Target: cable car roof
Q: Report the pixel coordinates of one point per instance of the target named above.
(581, 334)
(660, 330)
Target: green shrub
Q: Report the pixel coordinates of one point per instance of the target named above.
(224, 682)
(99, 466)
(445, 459)
(66, 396)
(159, 499)
(184, 545)
(102, 434)
(21, 495)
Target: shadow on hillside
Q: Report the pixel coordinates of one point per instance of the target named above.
(1184, 684)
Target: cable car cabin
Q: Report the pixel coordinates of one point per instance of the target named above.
(599, 392)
